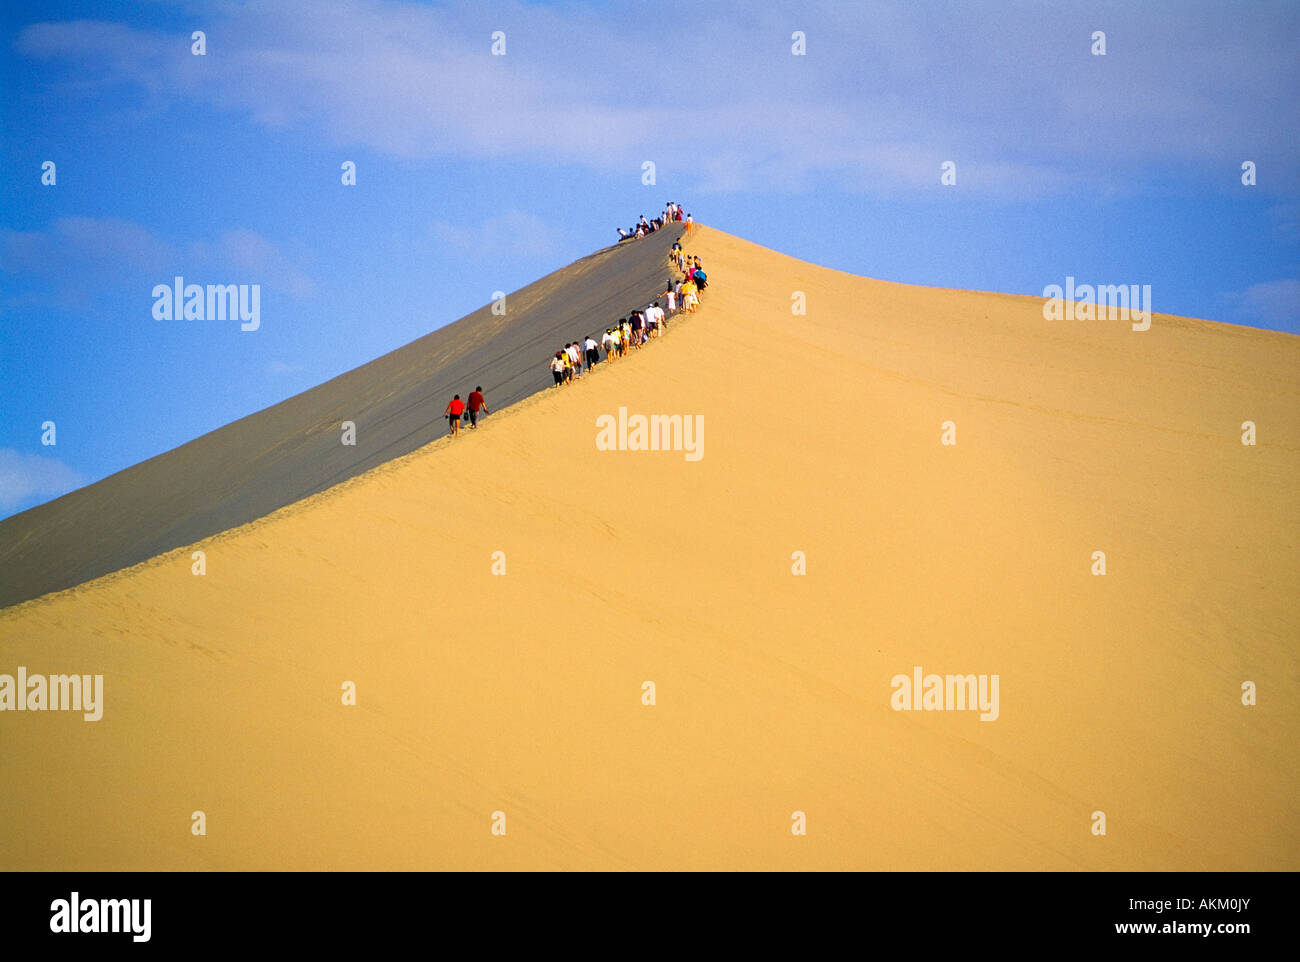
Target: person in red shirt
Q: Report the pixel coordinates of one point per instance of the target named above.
(476, 404)
(455, 408)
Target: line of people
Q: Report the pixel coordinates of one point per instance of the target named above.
(639, 327)
(692, 270)
(681, 295)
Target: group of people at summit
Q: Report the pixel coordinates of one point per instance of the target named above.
(673, 213)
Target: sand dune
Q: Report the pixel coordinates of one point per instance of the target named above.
(522, 693)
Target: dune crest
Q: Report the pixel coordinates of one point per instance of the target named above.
(499, 603)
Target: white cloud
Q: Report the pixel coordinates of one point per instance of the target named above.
(83, 256)
(30, 478)
(886, 92)
(1275, 303)
(514, 232)
(95, 249)
(252, 256)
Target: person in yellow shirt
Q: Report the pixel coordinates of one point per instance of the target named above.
(689, 298)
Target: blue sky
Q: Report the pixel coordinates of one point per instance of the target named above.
(478, 173)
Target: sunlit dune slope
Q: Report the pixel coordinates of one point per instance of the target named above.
(522, 693)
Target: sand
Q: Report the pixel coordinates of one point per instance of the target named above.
(249, 468)
(522, 693)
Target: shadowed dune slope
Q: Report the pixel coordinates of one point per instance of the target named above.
(522, 693)
(280, 455)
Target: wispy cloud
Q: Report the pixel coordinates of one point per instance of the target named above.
(77, 257)
(80, 258)
(512, 232)
(251, 255)
(1275, 304)
(885, 93)
(27, 479)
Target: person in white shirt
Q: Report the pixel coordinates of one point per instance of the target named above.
(593, 352)
(655, 315)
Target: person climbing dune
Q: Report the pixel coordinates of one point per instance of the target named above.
(670, 295)
(455, 408)
(477, 406)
